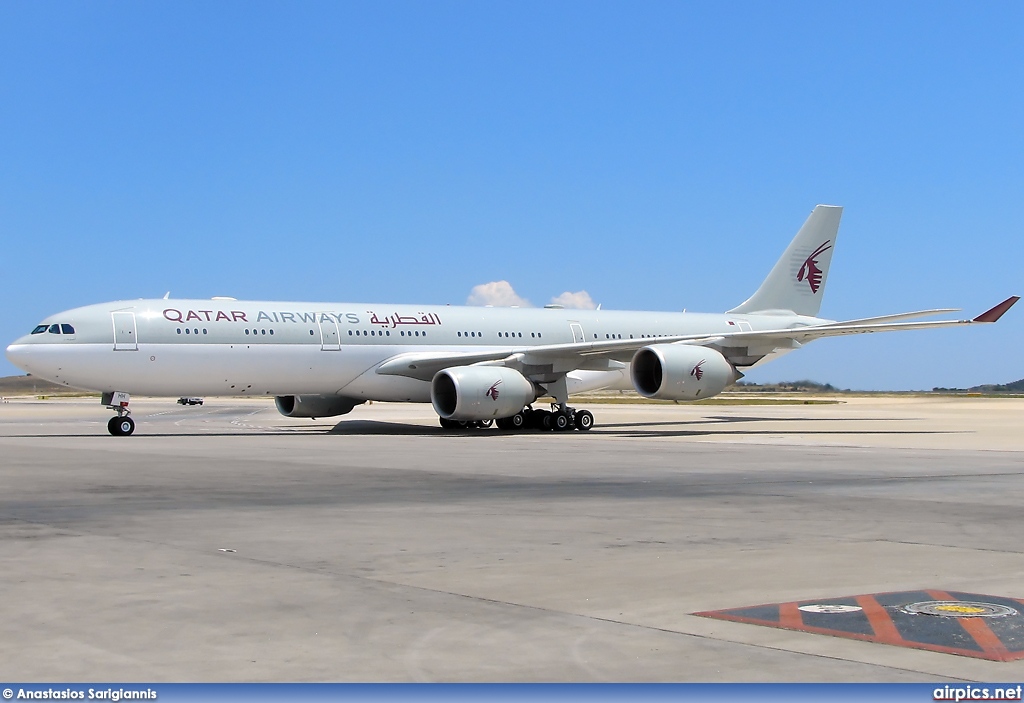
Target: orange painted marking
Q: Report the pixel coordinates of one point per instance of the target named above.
(789, 616)
(883, 624)
(880, 621)
(978, 629)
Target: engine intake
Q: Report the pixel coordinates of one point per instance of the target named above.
(480, 392)
(680, 372)
(314, 406)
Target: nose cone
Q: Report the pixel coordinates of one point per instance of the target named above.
(18, 354)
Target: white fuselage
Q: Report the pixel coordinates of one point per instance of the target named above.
(228, 348)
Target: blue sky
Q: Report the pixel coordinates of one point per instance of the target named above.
(656, 155)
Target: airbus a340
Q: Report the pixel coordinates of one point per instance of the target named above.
(475, 365)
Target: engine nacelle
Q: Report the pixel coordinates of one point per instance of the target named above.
(314, 405)
(480, 392)
(680, 372)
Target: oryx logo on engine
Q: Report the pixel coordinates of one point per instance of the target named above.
(492, 392)
(697, 371)
(810, 271)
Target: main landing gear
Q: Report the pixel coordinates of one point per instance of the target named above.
(559, 419)
(465, 424)
(122, 425)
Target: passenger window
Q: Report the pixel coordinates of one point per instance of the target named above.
(67, 329)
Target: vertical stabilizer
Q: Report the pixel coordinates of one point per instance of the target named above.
(797, 282)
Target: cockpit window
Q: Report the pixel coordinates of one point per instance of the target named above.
(54, 329)
(67, 329)
(39, 329)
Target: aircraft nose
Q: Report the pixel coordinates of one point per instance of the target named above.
(18, 355)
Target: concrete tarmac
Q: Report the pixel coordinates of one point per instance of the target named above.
(226, 543)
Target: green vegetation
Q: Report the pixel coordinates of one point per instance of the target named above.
(1015, 387)
(788, 387)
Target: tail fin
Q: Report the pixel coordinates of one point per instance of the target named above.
(797, 282)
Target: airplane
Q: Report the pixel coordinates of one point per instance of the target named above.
(477, 366)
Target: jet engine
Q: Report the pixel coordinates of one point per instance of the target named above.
(480, 392)
(314, 406)
(680, 372)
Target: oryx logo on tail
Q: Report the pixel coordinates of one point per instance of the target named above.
(492, 392)
(810, 271)
(697, 371)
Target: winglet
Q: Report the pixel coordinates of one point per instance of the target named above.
(997, 312)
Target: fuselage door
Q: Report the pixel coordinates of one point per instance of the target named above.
(329, 335)
(577, 331)
(125, 336)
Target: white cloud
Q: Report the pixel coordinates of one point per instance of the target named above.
(579, 300)
(497, 293)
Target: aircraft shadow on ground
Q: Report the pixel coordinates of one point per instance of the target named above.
(685, 428)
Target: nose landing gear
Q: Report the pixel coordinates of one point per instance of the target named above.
(122, 425)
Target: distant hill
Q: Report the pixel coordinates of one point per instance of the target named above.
(30, 385)
(1015, 387)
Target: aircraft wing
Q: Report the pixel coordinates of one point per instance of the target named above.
(423, 365)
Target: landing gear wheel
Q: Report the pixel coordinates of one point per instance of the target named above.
(517, 421)
(484, 424)
(448, 424)
(121, 426)
(545, 420)
(584, 420)
(560, 422)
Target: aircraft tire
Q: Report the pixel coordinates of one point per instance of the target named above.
(545, 420)
(121, 426)
(560, 422)
(584, 420)
(484, 424)
(448, 424)
(517, 421)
